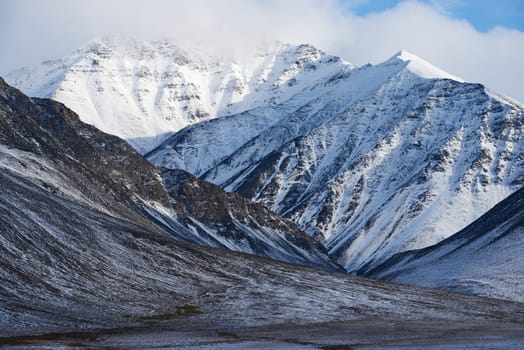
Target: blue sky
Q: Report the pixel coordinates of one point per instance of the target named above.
(484, 15)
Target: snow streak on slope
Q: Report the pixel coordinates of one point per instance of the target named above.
(484, 259)
(144, 91)
(389, 160)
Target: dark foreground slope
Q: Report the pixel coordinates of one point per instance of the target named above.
(78, 162)
(68, 268)
(220, 219)
(486, 258)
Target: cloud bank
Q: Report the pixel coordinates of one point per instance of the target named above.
(33, 30)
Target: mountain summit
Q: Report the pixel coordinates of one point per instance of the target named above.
(143, 91)
(420, 67)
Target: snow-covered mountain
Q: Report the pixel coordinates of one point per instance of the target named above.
(483, 259)
(144, 91)
(77, 252)
(393, 157)
(372, 160)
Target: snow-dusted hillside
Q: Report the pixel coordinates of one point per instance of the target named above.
(394, 157)
(484, 259)
(144, 91)
(200, 147)
(68, 268)
(77, 253)
(373, 160)
(46, 143)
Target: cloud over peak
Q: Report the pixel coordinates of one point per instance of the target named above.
(32, 31)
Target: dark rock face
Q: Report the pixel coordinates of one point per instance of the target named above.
(230, 221)
(102, 167)
(101, 152)
(111, 174)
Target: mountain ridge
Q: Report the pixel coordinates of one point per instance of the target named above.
(372, 160)
(156, 87)
(46, 143)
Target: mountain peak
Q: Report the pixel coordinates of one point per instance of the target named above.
(406, 56)
(173, 86)
(420, 67)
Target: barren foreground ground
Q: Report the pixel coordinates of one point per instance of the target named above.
(360, 334)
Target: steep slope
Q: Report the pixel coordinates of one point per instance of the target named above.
(46, 143)
(483, 259)
(219, 219)
(143, 91)
(199, 147)
(397, 156)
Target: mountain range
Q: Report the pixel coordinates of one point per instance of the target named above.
(140, 166)
(85, 265)
(372, 160)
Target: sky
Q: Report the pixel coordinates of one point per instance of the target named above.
(477, 40)
(482, 14)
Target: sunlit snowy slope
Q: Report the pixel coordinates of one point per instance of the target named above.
(143, 91)
(484, 259)
(396, 156)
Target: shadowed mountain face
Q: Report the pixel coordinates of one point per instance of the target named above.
(47, 143)
(483, 259)
(230, 221)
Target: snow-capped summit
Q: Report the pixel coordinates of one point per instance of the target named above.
(143, 91)
(420, 67)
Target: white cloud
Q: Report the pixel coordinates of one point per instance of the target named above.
(493, 58)
(33, 30)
